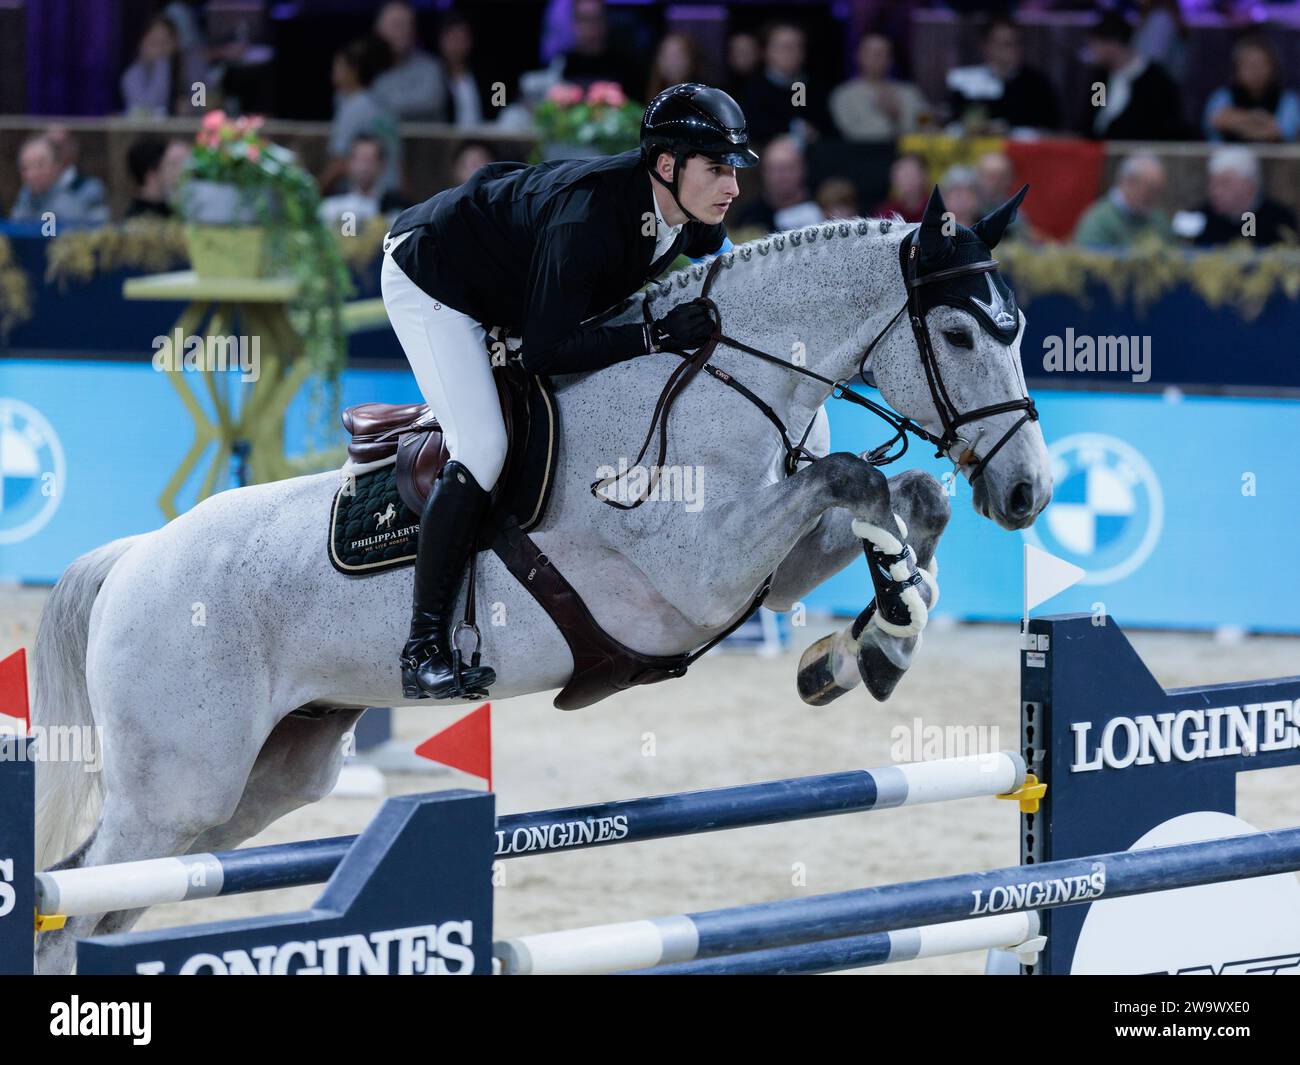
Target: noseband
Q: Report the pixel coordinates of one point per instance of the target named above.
(949, 416)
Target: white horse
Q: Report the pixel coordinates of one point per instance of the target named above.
(193, 646)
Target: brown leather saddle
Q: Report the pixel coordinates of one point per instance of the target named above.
(409, 431)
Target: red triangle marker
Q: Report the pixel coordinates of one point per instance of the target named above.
(465, 745)
(13, 688)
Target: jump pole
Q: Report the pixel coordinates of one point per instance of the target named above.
(133, 885)
(1007, 931)
(713, 933)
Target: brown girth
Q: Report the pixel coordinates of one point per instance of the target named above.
(601, 665)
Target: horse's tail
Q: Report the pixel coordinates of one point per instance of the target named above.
(67, 794)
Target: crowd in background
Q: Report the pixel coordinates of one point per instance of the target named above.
(392, 76)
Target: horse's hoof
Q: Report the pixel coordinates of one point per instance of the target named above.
(879, 674)
(827, 669)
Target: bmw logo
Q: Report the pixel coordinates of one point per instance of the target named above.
(32, 471)
(1107, 510)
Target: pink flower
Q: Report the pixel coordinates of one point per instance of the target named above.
(253, 152)
(214, 119)
(565, 95)
(606, 92)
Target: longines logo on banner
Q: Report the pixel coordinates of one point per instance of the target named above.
(1107, 510)
(562, 834)
(32, 471)
(1188, 736)
(434, 949)
(1272, 966)
(1055, 892)
(8, 896)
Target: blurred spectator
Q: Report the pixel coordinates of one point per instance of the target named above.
(593, 58)
(1142, 103)
(1130, 211)
(187, 20)
(873, 107)
(744, 57)
(357, 112)
(150, 84)
(1253, 106)
(1161, 35)
(994, 174)
(1007, 91)
(784, 202)
(838, 198)
(50, 188)
(465, 96)
(782, 98)
(1234, 208)
(88, 191)
(961, 194)
(364, 196)
(995, 179)
(412, 89)
(909, 189)
(67, 157)
(468, 158)
(155, 165)
(677, 60)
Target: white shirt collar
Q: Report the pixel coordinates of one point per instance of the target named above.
(664, 233)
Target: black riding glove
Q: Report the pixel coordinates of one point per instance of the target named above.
(688, 325)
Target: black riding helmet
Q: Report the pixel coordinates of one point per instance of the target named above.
(694, 119)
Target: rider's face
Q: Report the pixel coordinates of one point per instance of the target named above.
(707, 188)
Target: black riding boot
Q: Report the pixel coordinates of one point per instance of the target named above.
(448, 528)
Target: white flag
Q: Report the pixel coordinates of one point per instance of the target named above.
(1046, 576)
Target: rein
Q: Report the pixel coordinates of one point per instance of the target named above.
(795, 453)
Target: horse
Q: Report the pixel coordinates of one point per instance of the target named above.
(226, 661)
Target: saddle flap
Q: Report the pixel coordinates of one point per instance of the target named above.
(375, 428)
(420, 457)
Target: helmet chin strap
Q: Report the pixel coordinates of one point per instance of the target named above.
(671, 186)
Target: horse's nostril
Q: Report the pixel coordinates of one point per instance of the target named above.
(1020, 500)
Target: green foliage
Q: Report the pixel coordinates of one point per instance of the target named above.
(287, 204)
(1239, 276)
(602, 118)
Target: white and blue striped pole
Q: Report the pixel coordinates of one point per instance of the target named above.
(1006, 931)
(714, 933)
(133, 885)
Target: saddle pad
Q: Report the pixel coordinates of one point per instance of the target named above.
(371, 528)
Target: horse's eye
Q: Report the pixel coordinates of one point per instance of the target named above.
(959, 338)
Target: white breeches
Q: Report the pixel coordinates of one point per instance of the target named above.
(449, 357)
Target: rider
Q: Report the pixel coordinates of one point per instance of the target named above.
(539, 249)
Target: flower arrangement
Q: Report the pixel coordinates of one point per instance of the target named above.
(271, 190)
(602, 117)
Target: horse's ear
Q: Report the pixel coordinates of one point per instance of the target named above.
(935, 244)
(991, 227)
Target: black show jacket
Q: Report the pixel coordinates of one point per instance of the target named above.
(541, 248)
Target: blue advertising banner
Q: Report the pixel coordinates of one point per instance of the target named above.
(1182, 511)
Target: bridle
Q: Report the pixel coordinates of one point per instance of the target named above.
(949, 416)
